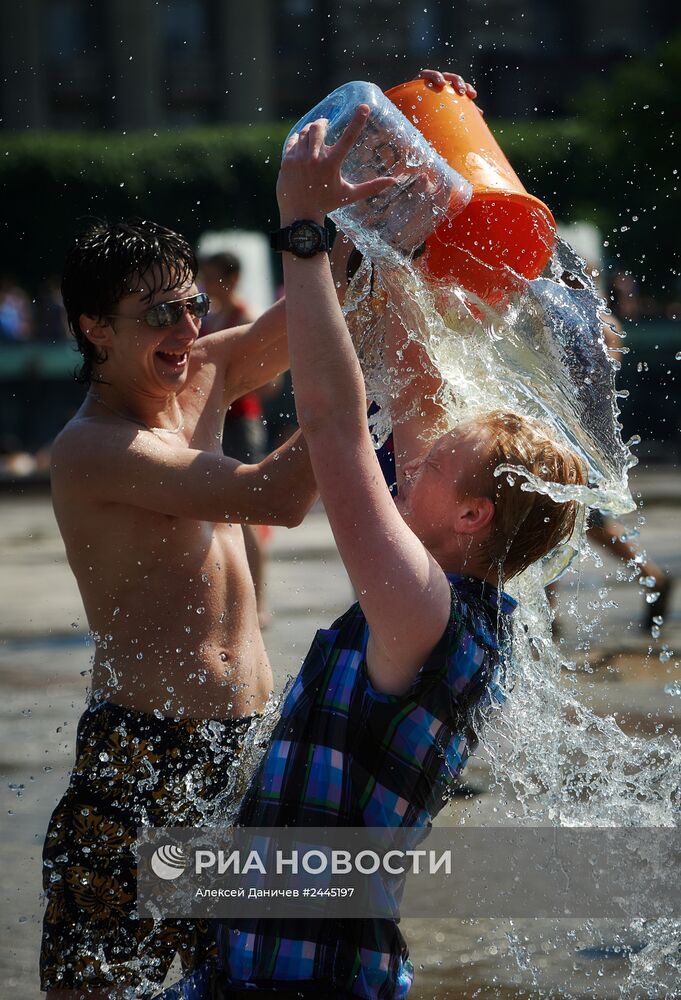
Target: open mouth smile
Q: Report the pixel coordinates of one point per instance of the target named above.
(176, 359)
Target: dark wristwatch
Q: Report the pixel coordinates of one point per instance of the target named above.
(303, 238)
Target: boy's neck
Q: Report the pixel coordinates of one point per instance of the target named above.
(135, 407)
(466, 565)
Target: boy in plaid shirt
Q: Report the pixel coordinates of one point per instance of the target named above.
(384, 712)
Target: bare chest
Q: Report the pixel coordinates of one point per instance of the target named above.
(123, 555)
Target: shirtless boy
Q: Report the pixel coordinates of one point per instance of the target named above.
(150, 511)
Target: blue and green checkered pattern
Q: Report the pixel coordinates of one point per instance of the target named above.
(343, 754)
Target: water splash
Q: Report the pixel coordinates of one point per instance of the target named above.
(541, 352)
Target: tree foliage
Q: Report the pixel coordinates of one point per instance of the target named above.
(614, 163)
(190, 180)
(635, 118)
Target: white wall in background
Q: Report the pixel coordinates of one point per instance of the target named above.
(256, 283)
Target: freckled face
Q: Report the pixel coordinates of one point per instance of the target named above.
(440, 479)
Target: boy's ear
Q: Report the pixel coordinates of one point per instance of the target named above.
(475, 514)
(97, 331)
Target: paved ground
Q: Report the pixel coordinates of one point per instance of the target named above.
(44, 661)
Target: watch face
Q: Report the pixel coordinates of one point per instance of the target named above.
(305, 240)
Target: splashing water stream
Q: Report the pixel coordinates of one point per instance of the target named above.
(540, 353)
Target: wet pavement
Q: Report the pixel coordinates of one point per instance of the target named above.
(44, 662)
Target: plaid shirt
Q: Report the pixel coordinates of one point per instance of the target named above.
(343, 754)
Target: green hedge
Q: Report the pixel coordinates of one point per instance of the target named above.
(220, 178)
(190, 180)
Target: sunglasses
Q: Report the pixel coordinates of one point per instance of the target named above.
(170, 313)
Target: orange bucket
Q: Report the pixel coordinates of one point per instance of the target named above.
(502, 225)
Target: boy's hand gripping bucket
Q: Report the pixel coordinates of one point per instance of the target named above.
(502, 226)
(426, 191)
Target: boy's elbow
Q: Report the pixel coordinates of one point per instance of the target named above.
(299, 508)
(289, 507)
(293, 519)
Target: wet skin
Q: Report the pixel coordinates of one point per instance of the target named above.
(148, 519)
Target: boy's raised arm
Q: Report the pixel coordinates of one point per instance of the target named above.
(253, 354)
(135, 468)
(403, 592)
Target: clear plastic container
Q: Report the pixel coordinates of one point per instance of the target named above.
(428, 191)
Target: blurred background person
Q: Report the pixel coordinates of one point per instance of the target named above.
(625, 298)
(16, 311)
(52, 325)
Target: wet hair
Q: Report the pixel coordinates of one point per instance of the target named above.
(228, 264)
(106, 261)
(526, 524)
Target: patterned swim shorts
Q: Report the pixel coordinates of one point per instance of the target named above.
(132, 769)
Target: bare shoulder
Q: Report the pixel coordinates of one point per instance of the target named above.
(89, 450)
(70, 444)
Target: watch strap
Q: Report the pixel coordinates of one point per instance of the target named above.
(280, 239)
